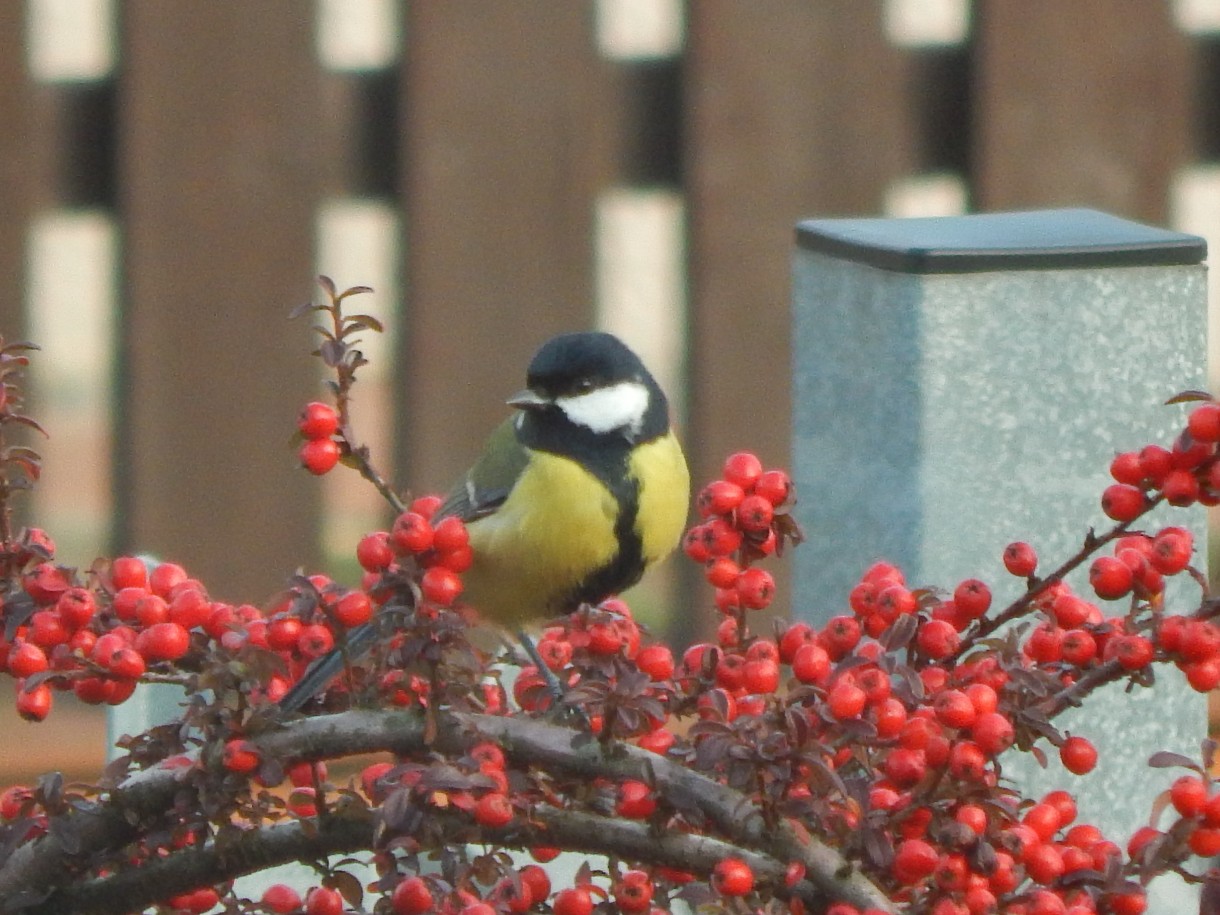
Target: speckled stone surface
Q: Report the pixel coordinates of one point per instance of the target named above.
(938, 417)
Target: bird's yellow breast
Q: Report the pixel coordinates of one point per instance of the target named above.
(664, 495)
(556, 528)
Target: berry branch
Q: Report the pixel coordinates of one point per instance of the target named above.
(329, 434)
(845, 768)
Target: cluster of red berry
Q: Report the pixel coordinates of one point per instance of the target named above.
(879, 731)
(99, 639)
(743, 522)
(320, 451)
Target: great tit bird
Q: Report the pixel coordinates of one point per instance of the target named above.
(573, 498)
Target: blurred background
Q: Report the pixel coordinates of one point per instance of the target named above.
(173, 174)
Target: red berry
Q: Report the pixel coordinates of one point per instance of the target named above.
(633, 891)
(127, 663)
(318, 420)
(846, 700)
(76, 607)
(1204, 841)
(1133, 652)
(353, 609)
(1181, 488)
(1044, 864)
(914, 860)
(1044, 819)
(319, 456)
(240, 756)
(440, 586)
(762, 676)
(954, 709)
(315, 640)
(1071, 611)
(1110, 577)
(1122, 502)
(1078, 755)
(840, 635)
(812, 664)
(657, 661)
(1171, 550)
(128, 572)
(412, 897)
(755, 513)
(189, 608)
(1188, 795)
(743, 468)
(967, 761)
(152, 609)
(755, 587)
(972, 598)
(26, 659)
(373, 551)
(993, 732)
(722, 572)
(937, 639)
(695, 545)
(281, 898)
(163, 642)
(574, 900)
(537, 881)
(412, 533)
(322, 900)
(34, 704)
(493, 809)
(775, 486)
(1203, 423)
(1078, 647)
(1132, 902)
(1199, 640)
(794, 637)
(1189, 454)
(1020, 559)
(635, 800)
(301, 773)
(732, 877)
(450, 534)
(165, 577)
(719, 498)
(284, 633)
(1155, 462)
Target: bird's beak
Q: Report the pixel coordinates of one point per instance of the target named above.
(528, 400)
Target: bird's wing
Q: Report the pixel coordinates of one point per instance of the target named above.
(488, 483)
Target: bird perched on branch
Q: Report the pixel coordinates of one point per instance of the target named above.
(573, 498)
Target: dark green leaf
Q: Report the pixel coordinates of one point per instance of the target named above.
(1188, 397)
(367, 321)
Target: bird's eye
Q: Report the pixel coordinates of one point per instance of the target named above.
(584, 386)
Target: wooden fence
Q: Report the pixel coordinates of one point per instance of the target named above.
(492, 135)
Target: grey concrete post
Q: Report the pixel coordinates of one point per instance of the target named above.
(963, 382)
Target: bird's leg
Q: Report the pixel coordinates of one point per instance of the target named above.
(554, 687)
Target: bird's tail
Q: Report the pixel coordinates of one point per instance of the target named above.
(312, 682)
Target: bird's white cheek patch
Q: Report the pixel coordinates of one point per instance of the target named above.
(619, 406)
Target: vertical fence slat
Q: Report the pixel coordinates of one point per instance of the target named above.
(14, 160)
(218, 191)
(771, 137)
(499, 174)
(1080, 103)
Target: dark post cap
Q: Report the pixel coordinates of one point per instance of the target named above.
(1032, 240)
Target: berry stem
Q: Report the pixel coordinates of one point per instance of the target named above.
(1022, 604)
(344, 360)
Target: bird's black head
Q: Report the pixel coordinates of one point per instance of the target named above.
(593, 386)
